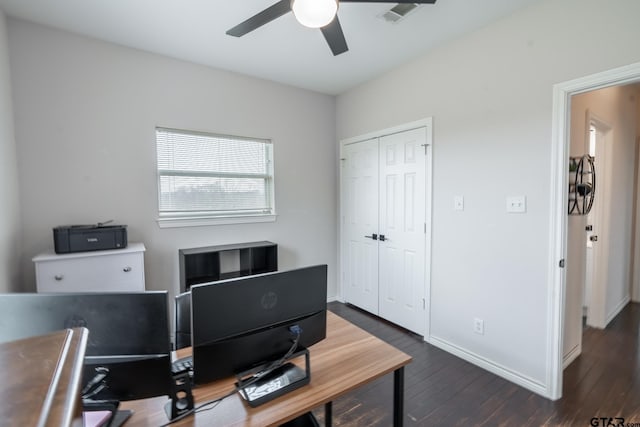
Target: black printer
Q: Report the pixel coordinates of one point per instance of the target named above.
(96, 237)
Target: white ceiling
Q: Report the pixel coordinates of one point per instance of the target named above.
(283, 50)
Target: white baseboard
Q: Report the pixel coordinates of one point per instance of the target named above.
(495, 368)
(571, 356)
(617, 310)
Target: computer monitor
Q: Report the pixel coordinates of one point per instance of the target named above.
(244, 322)
(128, 350)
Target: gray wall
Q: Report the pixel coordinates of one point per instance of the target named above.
(490, 96)
(86, 113)
(9, 207)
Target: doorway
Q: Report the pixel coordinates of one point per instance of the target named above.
(562, 94)
(603, 128)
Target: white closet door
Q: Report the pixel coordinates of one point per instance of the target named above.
(402, 223)
(360, 196)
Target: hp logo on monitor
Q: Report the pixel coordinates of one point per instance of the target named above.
(269, 300)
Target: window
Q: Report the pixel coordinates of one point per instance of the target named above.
(206, 178)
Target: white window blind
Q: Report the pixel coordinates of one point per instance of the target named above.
(204, 175)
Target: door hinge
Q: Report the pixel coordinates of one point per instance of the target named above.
(424, 304)
(561, 263)
(425, 148)
(425, 228)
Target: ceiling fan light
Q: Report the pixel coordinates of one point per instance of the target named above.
(314, 13)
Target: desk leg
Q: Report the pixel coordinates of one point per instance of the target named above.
(328, 414)
(398, 397)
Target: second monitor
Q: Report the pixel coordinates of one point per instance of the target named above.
(128, 350)
(241, 323)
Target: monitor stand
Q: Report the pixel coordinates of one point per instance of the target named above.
(257, 388)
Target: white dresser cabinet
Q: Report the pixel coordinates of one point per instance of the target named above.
(117, 270)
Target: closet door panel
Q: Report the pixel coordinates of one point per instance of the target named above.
(402, 219)
(360, 253)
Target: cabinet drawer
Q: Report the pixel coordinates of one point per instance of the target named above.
(105, 273)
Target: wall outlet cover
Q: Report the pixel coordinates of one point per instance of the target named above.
(478, 326)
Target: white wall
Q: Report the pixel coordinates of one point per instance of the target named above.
(490, 95)
(9, 213)
(617, 107)
(86, 113)
(635, 278)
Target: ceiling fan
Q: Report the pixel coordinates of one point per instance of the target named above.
(320, 14)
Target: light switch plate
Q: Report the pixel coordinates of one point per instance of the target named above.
(516, 204)
(458, 203)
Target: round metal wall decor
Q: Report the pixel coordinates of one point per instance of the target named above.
(582, 184)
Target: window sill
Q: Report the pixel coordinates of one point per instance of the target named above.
(204, 221)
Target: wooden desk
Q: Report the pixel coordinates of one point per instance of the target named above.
(41, 381)
(347, 359)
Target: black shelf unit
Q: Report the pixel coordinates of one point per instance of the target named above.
(212, 263)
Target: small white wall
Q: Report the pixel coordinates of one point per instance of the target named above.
(490, 96)
(621, 207)
(635, 279)
(9, 213)
(575, 266)
(86, 113)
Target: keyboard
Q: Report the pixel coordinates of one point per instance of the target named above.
(184, 364)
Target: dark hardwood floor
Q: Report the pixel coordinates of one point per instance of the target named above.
(443, 390)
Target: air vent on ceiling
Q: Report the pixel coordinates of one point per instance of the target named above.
(399, 11)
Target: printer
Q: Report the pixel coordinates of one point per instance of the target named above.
(96, 237)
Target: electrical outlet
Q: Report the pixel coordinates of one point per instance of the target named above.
(478, 326)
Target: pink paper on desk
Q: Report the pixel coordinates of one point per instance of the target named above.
(95, 418)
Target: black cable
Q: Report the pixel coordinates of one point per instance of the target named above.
(270, 368)
(277, 363)
(199, 407)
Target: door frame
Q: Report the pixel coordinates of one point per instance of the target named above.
(596, 314)
(560, 126)
(635, 269)
(427, 123)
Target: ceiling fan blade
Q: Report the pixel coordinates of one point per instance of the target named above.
(334, 36)
(259, 19)
(389, 1)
